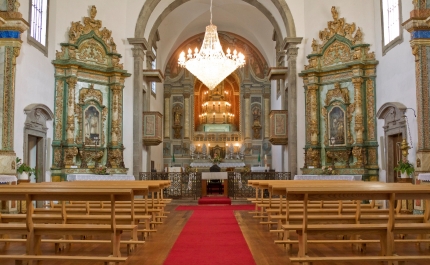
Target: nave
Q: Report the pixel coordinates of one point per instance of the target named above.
(260, 242)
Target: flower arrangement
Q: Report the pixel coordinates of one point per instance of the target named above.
(216, 159)
(328, 170)
(100, 170)
(23, 167)
(404, 166)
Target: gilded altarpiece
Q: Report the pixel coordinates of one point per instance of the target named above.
(89, 83)
(233, 117)
(340, 103)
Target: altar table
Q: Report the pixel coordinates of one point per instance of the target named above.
(214, 175)
(93, 177)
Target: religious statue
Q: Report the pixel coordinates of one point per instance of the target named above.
(177, 117)
(92, 124)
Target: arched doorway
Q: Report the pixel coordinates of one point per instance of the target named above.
(35, 138)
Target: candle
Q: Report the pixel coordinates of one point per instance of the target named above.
(265, 157)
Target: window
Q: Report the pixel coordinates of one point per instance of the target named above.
(391, 24)
(154, 66)
(38, 31)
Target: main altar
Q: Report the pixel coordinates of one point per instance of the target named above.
(340, 91)
(230, 121)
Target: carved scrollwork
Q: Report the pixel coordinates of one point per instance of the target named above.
(357, 152)
(337, 52)
(69, 155)
(90, 51)
(370, 110)
(339, 156)
(337, 92)
(59, 110)
(115, 157)
(90, 93)
(313, 157)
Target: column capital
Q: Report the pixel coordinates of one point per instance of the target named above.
(357, 80)
(72, 80)
(313, 87)
(186, 94)
(167, 95)
(139, 42)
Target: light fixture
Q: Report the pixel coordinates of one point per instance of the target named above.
(210, 65)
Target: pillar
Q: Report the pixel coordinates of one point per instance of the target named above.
(247, 97)
(266, 115)
(71, 84)
(292, 51)
(11, 26)
(138, 55)
(419, 28)
(166, 115)
(187, 116)
(359, 128)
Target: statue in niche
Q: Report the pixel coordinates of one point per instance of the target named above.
(177, 117)
(92, 127)
(337, 127)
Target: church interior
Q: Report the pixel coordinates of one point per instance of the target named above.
(224, 100)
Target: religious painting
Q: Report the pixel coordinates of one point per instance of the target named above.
(92, 126)
(337, 127)
(177, 149)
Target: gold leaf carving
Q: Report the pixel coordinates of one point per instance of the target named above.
(59, 110)
(90, 93)
(370, 110)
(90, 51)
(337, 52)
(337, 92)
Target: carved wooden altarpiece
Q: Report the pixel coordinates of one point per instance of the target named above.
(89, 82)
(340, 102)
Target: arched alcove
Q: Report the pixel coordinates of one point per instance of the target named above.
(35, 137)
(393, 114)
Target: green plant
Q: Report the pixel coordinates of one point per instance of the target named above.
(404, 166)
(23, 167)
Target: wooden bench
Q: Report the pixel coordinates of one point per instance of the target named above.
(35, 231)
(362, 191)
(19, 259)
(400, 259)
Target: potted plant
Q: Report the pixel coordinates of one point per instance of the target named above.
(405, 168)
(24, 170)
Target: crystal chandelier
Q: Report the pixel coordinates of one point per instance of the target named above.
(211, 65)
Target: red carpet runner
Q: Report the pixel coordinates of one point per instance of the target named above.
(211, 237)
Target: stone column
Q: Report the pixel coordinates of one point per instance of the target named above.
(138, 55)
(292, 50)
(166, 115)
(359, 128)
(187, 116)
(71, 84)
(419, 27)
(12, 25)
(266, 115)
(247, 97)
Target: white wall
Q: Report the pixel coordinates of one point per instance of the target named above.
(396, 79)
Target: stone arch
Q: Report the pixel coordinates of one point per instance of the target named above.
(150, 5)
(35, 129)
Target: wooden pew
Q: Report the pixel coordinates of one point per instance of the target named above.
(358, 192)
(35, 231)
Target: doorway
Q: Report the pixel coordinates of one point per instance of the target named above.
(36, 157)
(394, 156)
